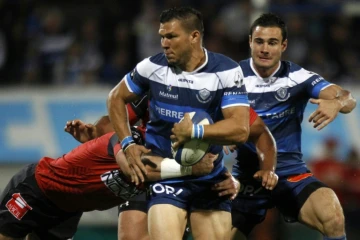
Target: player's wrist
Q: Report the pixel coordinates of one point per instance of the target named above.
(127, 142)
(171, 169)
(197, 131)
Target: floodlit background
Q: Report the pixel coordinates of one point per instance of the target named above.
(59, 60)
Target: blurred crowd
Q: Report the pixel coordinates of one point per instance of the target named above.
(98, 42)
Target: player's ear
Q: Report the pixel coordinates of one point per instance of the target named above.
(195, 36)
(284, 45)
(250, 41)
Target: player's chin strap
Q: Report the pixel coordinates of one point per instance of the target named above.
(171, 169)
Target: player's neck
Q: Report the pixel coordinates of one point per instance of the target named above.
(266, 72)
(197, 58)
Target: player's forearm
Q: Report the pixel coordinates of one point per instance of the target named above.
(346, 100)
(103, 126)
(267, 151)
(226, 132)
(118, 114)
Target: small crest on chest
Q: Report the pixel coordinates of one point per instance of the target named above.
(203, 95)
(282, 94)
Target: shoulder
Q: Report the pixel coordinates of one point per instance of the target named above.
(219, 63)
(246, 68)
(149, 65)
(297, 73)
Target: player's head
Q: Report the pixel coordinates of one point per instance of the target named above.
(181, 30)
(268, 40)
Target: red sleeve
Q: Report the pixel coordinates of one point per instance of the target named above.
(253, 116)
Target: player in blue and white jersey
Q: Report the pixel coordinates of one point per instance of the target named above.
(279, 91)
(184, 78)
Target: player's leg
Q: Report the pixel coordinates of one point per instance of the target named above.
(65, 230)
(267, 229)
(16, 220)
(210, 225)
(166, 222)
(167, 215)
(306, 199)
(249, 207)
(322, 211)
(132, 224)
(210, 216)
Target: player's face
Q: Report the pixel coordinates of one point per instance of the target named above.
(266, 48)
(176, 42)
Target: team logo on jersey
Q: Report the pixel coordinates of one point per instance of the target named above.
(169, 87)
(17, 206)
(203, 95)
(282, 94)
(238, 79)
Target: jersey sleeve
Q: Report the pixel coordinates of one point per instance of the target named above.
(114, 145)
(137, 81)
(253, 116)
(314, 83)
(235, 93)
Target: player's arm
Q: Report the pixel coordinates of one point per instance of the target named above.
(330, 100)
(234, 129)
(266, 151)
(163, 168)
(341, 97)
(119, 96)
(84, 132)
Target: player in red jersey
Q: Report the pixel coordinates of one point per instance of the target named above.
(134, 212)
(43, 195)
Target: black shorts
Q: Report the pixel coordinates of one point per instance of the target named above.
(139, 203)
(250, 206)
(25, 209)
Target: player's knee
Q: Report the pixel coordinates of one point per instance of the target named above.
(133, 235)
(334, 222)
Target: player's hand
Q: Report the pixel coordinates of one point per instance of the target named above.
(229, 186)
(205, 165)
(325, 113)
(133, 156)
(268, 178)
(228, 149)
(81, 131)
(125, 168)
(181, 131)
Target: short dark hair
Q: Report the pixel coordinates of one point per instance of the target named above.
(270, 20)
(190, 18)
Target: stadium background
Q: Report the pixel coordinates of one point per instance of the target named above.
(59, 60)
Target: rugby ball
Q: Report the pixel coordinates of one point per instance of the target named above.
(193, 151)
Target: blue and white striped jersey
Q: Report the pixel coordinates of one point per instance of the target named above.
(215, 85)
(280, 101)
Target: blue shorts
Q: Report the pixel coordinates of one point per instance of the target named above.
(190, 195)
(250, 206)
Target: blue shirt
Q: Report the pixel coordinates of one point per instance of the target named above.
(215, 85)
(280, 101)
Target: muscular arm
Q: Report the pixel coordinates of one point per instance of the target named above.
(343, 97)
(331, 101)
(232, 130)
(265, 145)
(116, 104)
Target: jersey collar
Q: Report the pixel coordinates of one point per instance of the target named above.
(272, 78)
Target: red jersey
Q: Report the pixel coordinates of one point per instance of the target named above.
(253, 116)
(87, 178)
